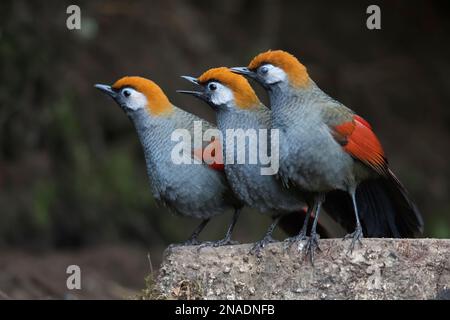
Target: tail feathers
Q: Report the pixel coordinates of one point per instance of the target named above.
(386, 209)
(384, 206)
(339, 207)
(338, 204)
(410, 219)
(376, 211)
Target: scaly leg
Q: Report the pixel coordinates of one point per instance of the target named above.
(313, 241)
(357, 235)
(267, 237)
(193, 239)
(227, 240)
(302, 234)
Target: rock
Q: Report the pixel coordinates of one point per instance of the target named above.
(380, 269)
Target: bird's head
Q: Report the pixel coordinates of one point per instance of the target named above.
(223, 89)
(276, 67)
(136, 93)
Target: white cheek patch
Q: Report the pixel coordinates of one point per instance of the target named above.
(222, 95)
(136, 100)
(275, 74)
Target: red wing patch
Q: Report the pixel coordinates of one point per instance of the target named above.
(211, 155)
(358, 139)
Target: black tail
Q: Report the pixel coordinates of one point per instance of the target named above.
(338, 205)
(384, 206)
(387, 210)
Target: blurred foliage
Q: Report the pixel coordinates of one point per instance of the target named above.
(71, 169)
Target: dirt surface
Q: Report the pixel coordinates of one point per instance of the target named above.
(114, 272)
(380, 269)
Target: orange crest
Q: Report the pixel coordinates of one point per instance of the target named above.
(244, 95)
(158, 103)
(296, 71)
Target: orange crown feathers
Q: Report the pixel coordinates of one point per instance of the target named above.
(158, 103)
(296, 71)
(244, 95)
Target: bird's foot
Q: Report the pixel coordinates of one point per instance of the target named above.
(312, 245)
(298, 238)
(189, 242)
(219, 243)
(258, 246)
(356, 236)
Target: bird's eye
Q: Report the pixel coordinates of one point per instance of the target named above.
(212, 87)
(264, 69)
(126, 93)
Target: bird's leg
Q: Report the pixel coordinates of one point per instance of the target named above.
(357, 235)
(313, 241)
(227, 240)
(267, 237)
(193, 239)
(302, 234)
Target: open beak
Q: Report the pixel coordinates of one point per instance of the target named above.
(191, 80)
(198, 94)
(244, 70)
(106, 89)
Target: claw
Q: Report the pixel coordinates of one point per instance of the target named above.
(189, 242)
(218, 243)
(225, 241)
(356, 236)
(298, 238)
(258, 246)
(312, 245)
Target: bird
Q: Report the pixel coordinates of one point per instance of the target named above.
(329, 150)
(193, 189)
(238, 108)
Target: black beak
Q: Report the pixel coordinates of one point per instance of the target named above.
(106, 89)
(245, 71)
(191, 80)
(198, 94)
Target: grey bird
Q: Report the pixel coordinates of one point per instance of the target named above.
(198, 190)
(328, 150)
(237, 107)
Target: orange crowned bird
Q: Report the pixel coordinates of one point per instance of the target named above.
(196, 190)
(326, 147)
(238, 108)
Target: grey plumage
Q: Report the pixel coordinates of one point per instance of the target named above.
(189, 189)
(263, 192)
(300, 118)
(329, 151)
(224, 91)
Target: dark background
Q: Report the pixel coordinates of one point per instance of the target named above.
(73, 186)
